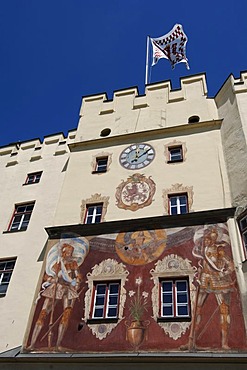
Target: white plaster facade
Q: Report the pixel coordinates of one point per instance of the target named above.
(231, 101)
(16, 161)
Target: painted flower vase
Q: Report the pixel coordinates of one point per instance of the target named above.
(135, 333)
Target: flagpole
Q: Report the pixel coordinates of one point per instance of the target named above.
(147, 57)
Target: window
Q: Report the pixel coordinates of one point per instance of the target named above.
(101, 164)
(21, 217)
(175, 154)
(243, 230)
(174, 298)
(94, 213)
(33, 178)
(6, 269)
(106, 298)
(178, 204)
(93, 210)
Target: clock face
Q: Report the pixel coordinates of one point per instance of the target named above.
(137, 156)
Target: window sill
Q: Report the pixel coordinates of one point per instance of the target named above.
(102, 321)
(175, 161)
(30, 183)
(93, 172)
(13, 231)
(169, 319)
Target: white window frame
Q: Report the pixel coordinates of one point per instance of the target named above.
(4, 270)
(107, 295)
(178, 206)
(174, 304)
(21, 214)
(95, 213)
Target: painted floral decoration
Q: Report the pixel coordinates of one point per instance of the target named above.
(138, 303)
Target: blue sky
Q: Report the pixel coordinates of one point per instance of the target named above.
(55, 51)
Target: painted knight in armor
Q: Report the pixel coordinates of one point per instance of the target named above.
(214, 276)
(61, 283)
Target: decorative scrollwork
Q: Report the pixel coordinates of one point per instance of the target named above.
(172, 266)
(107, 270)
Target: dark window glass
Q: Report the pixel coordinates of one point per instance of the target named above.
(33, 178)
(6, 270)
(101, 164)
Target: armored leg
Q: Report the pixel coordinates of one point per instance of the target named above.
(224, 323)
(38, 326)
(63, 325)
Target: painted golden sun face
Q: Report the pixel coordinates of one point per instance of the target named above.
(140, 247)
(137, 156)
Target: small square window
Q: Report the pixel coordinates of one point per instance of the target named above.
(175, 154)
(33, 178)
(175, 302)
(101, 164)
(178, 204)
(94, 213)
(106, 300)
(21, 217)
(6, 270)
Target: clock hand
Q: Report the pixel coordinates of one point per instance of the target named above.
(137, 156)
(144, 152)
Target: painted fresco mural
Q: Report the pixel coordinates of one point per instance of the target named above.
(149, 290)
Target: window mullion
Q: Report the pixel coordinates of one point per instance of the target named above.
(21, 221)
(175, 305)
(106, 305)
(94, 301)
(94, 214)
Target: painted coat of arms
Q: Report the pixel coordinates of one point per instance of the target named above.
(135, 193)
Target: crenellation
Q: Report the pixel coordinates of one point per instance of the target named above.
(7, 150)
(34, 150)
(92, 105)
(123, 101)
(52, 139)
(240, 85)
(30, 144)
(71, 135)
(161, 106)
(107, 107)
(189, 83)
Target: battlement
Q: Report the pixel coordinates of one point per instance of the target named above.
(232, 88)
(240, 84)
(129, 98)
(35, 149)
(160, 106)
